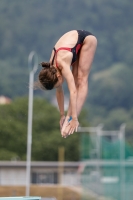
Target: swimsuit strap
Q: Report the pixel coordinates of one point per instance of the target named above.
(53, 56)
(56, 51)
(63, 48)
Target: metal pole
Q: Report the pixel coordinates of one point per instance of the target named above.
(98, 144)
(122, 161)
(99, 134)
(61, 151)
(32, 70)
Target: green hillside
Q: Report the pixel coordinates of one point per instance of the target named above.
(37, 24)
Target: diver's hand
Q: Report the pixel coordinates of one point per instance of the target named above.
(64, 126)
(62, 119)
(71, 127)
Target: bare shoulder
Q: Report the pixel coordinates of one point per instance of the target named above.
(65, 68)
(64, 59)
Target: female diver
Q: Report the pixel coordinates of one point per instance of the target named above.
(71, 60)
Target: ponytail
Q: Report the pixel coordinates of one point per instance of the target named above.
(45, 65)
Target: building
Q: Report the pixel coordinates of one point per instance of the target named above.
(14, 173)
(5, 100)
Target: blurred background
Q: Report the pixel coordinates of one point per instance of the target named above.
(96, 163)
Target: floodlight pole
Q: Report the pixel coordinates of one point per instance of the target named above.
(122, 159)
(32, 69)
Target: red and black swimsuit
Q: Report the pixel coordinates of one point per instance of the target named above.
(82, 34)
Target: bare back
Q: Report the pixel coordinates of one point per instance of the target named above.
(69, 39)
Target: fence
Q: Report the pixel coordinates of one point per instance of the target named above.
(107, 167)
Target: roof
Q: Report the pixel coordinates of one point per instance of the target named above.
(38, 164)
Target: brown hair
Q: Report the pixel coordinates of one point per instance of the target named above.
(47, 76)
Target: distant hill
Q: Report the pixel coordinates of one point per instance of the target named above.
(36, 25)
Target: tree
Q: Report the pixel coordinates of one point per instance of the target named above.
(46, 137)
(112, 87)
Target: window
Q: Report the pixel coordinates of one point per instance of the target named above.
(44, 177)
